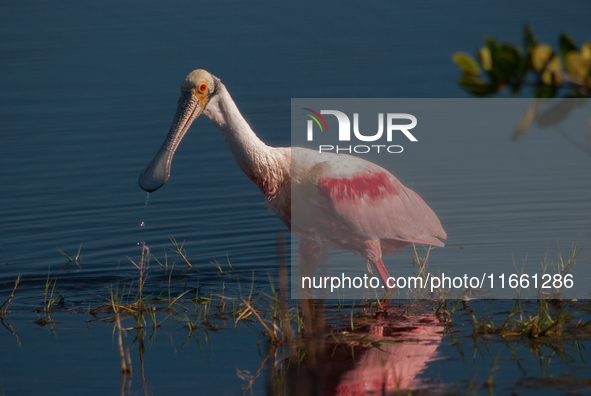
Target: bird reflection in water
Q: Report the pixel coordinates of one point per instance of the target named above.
(382, 356)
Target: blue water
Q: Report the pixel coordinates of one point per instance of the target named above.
(87, 93)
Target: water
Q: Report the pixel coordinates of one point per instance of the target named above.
(56, 353)
(87, 94)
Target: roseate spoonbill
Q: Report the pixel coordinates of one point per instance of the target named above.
(324, 198)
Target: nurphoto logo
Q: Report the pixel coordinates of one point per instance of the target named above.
(344, 134)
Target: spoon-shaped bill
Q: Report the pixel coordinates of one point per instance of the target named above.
(157, 172)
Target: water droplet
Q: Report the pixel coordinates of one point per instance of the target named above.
(147, 198)
(143, 224)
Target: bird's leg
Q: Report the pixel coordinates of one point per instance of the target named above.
(391, 288)
(309, 254)
(382, 272)
(324, 247)
(373, 252)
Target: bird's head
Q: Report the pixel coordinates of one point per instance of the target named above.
(196, 92)
(201, 84)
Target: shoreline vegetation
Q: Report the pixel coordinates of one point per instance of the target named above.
(299, 338)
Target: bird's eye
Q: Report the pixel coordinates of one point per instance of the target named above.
(202, 87)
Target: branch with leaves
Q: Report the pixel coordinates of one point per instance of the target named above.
(507, 66)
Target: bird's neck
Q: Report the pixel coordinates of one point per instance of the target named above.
(258, 161)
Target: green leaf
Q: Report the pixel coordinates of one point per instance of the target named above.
(540, 55)
(485, 58)
(477, 86)
(513, 50)
(577, 66)
(508, 60)
(567, 44)
(545, 61)
(515, 53)
(493, 47)
(586, 50)
(499, 70)
(529, 38)
(586, 54)
(467, 63)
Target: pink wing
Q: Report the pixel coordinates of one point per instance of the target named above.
(373, 204)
